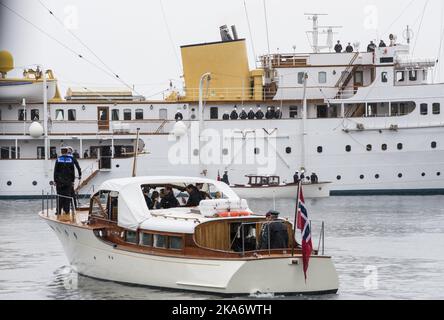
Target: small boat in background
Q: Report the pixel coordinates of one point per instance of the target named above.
(268, 187)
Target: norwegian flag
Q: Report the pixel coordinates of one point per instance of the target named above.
(303, 224)
(218, 176)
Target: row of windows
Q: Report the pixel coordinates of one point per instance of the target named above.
(154, 240)
(378, 176)
(369, 147)
(436, 108)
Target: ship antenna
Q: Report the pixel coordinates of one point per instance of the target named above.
(136, 151)
(266, 26)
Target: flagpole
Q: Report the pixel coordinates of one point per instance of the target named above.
(293, 242)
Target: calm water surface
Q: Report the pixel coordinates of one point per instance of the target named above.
(383, 248)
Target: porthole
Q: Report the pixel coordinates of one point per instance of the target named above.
(348, 148)
(34, 183)
(400, 175)
(361, 177)
(438, 174)
(384, 147)
(225, 151)
(9, 183)
(117, 165)
(288, 150)
(193, 110)
(193, 117)
(400, 146)
(320, 149)
(195, 152)
(51, 183)
(434, 145)
(423, 174)
(338, 178)
(369, 147)
(257, 151)
(377, 176)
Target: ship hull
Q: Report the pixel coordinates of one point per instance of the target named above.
(31, 91)
(311, 191)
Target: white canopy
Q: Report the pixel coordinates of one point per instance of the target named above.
(132, 207)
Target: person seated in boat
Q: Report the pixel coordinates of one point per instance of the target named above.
(251, 114)
(218, 195)
(203, 194)
(274, 233)
(146, 195)
(259, 114)
(195, 196)
(296, 178)
(169, 200)
(314, 178)
(155, 201)
(243, 115)
(234, 115)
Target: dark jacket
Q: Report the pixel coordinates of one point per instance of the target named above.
(274, 235)
(338, 48)
(234, 115)
(259, 115)
(77, 165)
(169, 201)
(225, 179)
(349, 49)
(194, 199)
(251, 115)
(64, 170)
(243, 115)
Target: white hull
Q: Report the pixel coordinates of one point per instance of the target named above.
(311, 191)
(31, 91)
(91, 257)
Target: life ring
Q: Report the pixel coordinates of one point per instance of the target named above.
(233, 214)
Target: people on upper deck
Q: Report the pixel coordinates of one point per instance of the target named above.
(392, 40)
(243, 115)
(251, 114)
(278, 113)
(86, 154)
(179, 115)
(349, 48)
(169, 200)
(259, 114)
(338, 47)
(274, 233)
(371, 47)
(234, 115)
(195, 197)
(76, 154)
(296, 178)
(226, 116)
(382, 44)
(225, 178)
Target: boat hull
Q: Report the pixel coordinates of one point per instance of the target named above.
(31, 91)
(89, 256)
(311, 191)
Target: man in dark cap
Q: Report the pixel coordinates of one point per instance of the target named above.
(251, 114)
(349, 48)
(338, 47)
(274, 233)
(64, 177)
(243, 115)
(234, 115)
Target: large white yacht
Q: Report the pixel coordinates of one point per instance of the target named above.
(370, 122)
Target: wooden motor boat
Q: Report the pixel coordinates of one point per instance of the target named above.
(268, 187)
(210, 248)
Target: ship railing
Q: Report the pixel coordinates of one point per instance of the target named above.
(257, 238)
(51, 202)
(246, 93)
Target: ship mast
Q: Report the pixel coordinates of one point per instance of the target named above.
(207, 77)
(45, 120)
(303, 124)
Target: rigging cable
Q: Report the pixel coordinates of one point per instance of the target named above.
(173, 45)
(438, 58)
(420, 25)
(400, 15)
(266, 26)
(79, 55)
(251, 34)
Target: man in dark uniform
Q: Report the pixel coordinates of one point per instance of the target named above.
(382, 44)
(169, 200)
(251, 114)
(243, 115)
(64, 179)
(349, 48)
(195, 197)
(314, 178)
(226, 116)
(234, 115)
(278, 113)
(269, 114)
(259, 114)
(296, 177)
(274, 233)
(338, 47)
(225, 178)
(371, 47)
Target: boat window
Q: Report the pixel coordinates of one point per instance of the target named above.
(99, 205)
(127, 114)
(72, 115)
(400, 76)
(288, 150)
(436, 108)
(424, 109)
(160, 241)
(434, 145)
(322, 77)
(369, 147)
(384, 147)
(115, 115)
(243, 237)
(257, 151)
(402, 108)
(359, 78)
(293, 112)
(60, 115)
(139, 114)
(348, 148)
(146, 240)
(21, 115)
(413, 75)
(175, 243)
(384, 77)
(4, 153)
(214, 113)
(320, 149)
(301, 77)
(400, 146)
(35, 115)
(131, 237)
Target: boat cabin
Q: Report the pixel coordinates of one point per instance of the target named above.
(260, 181)
(221, 226)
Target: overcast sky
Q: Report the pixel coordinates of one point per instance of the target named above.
(132, 37)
